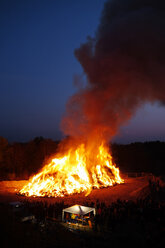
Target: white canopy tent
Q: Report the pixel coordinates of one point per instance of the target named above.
(77, 209)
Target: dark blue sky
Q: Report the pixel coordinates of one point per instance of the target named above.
(37, 68)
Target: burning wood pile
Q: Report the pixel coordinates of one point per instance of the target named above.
(78, 170)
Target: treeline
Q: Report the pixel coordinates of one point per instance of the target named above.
(21, 160)
(140, 157)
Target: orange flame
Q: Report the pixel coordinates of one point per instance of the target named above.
(78, 170)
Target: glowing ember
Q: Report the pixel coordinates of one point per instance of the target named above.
(78, 170)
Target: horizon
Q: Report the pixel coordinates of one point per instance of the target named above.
(60, 140)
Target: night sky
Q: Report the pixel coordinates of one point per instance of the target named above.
(38, 69)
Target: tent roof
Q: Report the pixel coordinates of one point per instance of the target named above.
(77, 209)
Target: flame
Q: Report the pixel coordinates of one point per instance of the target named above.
(78, 170)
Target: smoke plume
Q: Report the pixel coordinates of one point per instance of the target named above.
(124, 64)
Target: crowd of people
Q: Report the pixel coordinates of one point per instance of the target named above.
(144, 216)
(151, 206)
(43, 211)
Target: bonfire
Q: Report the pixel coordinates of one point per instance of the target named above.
(77, 170)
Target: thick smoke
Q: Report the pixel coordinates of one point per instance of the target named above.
(125, 68)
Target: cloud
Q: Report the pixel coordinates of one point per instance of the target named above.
(124, 64)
